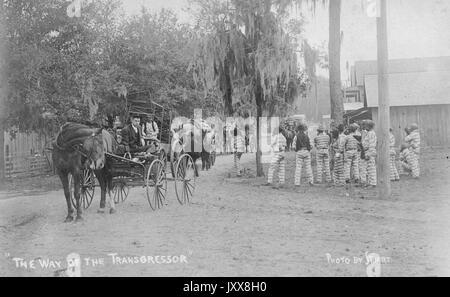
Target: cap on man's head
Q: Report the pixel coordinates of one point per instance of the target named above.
(321, 128)
(413, 127)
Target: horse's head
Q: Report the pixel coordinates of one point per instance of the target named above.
(93, 150)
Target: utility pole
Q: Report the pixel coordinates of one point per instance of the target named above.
(3, 90)
(383, 168)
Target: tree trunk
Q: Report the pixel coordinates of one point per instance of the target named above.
(259, 102)
(337, 103)
(227, 89)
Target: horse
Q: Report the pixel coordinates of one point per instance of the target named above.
(289, 135)
(188, 147)
(79, 147)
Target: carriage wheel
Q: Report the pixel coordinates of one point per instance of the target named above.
(185, 176)
(213, 158)
(163, 158)
(173, 163)
(156, 184)
(87, 189)
(120, 192)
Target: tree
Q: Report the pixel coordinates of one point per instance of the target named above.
(337, 103)
(73, 69)
(247, 54)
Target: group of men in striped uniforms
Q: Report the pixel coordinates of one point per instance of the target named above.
(351, 152)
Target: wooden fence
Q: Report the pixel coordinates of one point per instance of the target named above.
(26, 155)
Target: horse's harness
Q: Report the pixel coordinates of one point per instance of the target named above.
(79, 148)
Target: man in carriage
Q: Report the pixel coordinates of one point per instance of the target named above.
(132, 137)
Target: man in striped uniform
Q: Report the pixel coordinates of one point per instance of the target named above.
(322, 143)
(393, 156)
(239, 149)
(278, 157)
(351, 161)
(413, 140)
(338, 149)
(369, 143)
(409, 161)
(303, 157)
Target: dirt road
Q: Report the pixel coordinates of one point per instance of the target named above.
(236, 227)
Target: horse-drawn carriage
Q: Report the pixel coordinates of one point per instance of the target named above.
(147, 169)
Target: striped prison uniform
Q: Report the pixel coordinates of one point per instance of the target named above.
(239, 149)
(370, 150)
(303, 157)
(351, 161)
(362, 161)
(279, 144)
(413, 139)
(338, 169)
(392, 153)
(409, 162)
(322, 143)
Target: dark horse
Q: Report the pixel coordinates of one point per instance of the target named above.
(190, 147)
(289, 135)
(79, 147)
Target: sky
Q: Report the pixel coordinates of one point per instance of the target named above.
(416, 28)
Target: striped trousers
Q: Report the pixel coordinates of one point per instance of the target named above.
(338, 171)
(417, 160)
(393, 166)
(237, 163)
(351, 164)
(278, 160)
(303, 158)
(411, 164)
(323, 165)
(371, 168)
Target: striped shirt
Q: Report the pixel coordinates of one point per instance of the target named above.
(391, 141)
(239, 144)
(279, 143)
(369, 141)
(351, 144)
(413, 139)
(322, 141)
(338, 144)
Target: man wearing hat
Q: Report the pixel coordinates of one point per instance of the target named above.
(278, 158)
(322, 144)
(413, 140)
(351, 161)
(369, 143)
(303, 157)
(132, 136)
(408, 160)
(393, 155)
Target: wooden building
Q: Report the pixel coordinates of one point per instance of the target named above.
(419, 92)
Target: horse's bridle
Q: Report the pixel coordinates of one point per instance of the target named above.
(79, 147)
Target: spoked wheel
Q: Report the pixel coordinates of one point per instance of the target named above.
(185, 175)
(156, 184)
(212, 157)
(120, 192)
(87, 189)
(163, 157)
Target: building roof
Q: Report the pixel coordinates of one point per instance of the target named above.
(363, 68)
(411, 89)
